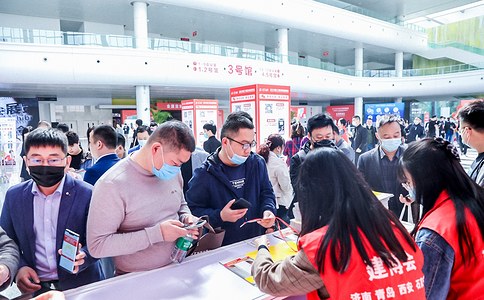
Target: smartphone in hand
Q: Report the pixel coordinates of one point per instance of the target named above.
(241, 204)
(70, 245)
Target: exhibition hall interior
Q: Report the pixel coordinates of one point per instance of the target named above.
(88, 63)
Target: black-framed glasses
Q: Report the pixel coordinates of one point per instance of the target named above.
(245, 146)
(50, 161)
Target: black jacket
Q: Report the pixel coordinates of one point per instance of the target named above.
(361, 139)
(414, 131)
(211, 144)
(369, 165)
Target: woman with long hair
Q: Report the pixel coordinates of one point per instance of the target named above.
(271, 151)
(292, 145)
(451, 232)
(351, 247)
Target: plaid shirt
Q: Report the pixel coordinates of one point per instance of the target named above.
(292, 147)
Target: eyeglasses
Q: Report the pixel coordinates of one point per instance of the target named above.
(50, 161)
(244, 146)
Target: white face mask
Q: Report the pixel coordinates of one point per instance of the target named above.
(142, 143)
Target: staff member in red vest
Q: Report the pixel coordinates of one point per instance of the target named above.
(452, 230)
(351, 247)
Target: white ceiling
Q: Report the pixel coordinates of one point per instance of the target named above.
(168, 21)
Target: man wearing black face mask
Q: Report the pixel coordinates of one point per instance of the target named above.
(320, 133)
(37, 212)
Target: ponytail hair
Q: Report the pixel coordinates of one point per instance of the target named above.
(273, 141)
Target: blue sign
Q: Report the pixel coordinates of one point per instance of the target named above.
(378, 109)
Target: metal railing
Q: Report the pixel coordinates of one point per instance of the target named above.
(372, 14)
(454, 44)
(36, 36)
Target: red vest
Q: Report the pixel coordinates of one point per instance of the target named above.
(361, 282)
(466, 282)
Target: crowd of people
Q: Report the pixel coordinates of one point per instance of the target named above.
(130, 206)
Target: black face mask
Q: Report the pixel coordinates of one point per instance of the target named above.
(324, 143)
(46, 176)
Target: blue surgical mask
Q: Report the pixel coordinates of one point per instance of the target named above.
(205, 135)
(236, 159)
(166, 172)
(142, 143)
(391, 144)
(411, 192)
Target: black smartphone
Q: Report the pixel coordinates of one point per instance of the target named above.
(240, 204)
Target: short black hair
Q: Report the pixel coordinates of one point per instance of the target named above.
(121, 140)
(27, 129)
(106, 134)
(45, 136)
(72, 138)
(139, 122)
(342, 121)
(319, 121)
(235, 121)
(357, 117)
(63, 127)
(210, 127)
(143, 128)
(473, 114)
(153, 124)
(335, 128)
(174, 135)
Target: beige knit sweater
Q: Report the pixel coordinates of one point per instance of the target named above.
(128, 204)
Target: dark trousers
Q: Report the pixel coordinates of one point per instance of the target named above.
(46, 286)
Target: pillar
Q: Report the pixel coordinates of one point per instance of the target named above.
(140, 16)
(283, 44)
(359, 73)
(143, 103)
(398, 70)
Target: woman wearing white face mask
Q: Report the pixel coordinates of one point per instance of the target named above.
(272, 152)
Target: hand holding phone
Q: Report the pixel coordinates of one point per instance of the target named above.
(198, 224)
(70, 246)
(227, 214)
(241, 204)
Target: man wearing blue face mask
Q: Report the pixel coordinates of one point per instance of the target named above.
(138, 209)
(379, 165)
(142, 135)
(228, 174)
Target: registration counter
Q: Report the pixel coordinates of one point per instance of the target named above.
(199, 276)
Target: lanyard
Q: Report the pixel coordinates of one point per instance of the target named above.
(277, 221)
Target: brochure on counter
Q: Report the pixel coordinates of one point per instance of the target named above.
(241, 265)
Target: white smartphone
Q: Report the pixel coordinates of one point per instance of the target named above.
(69, 250)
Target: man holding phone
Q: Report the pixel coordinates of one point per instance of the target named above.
(138, 209)
(231, 173)
(37, 212)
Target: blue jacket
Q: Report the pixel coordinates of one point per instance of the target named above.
(210, 190)
(18, 221)
(100, 167)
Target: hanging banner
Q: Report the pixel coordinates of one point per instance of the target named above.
(378, 109)
(341, 112)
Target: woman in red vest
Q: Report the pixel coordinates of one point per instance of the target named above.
(351, 247)
(451, 232)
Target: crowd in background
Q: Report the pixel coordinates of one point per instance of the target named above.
(130, 204)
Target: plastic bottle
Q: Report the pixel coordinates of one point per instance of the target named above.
(181, 247)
